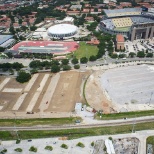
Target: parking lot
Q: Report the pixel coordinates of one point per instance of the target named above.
(130, 88)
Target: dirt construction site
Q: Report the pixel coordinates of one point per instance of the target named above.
(45, 93)
(121, 89)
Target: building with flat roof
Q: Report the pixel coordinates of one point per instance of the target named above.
(120, 42)
(75, 7)
(6, 40)
(69, 20)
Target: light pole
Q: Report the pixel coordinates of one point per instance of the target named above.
(15, 125)
(150, 98)
(133, 129)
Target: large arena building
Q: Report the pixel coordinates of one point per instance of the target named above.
(133, 23)
(61, 31)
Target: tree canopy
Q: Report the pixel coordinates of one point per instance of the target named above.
(23, 77)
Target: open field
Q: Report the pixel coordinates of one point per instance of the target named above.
(45, 92)
(76, 133)
(85, 50)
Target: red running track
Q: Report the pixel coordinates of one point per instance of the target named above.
(71, 46)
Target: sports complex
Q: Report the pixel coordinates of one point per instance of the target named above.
(46, 47)
(62, 31)
(133, 23)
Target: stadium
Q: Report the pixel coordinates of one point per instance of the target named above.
(133, 23)
(61, 31)
(53, 47)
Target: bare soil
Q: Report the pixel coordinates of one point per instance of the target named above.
(95, 96)
(67, 92)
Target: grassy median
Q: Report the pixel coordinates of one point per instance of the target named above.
(124, 115)
(150, 140)
(41, 121)
(76, 133)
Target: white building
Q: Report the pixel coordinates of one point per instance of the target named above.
(78, 107)
(109, 147)
(68, 20)
(62, 31)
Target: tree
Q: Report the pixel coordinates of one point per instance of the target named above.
(33, 149)
(76, 66)
(122, 55)
(24, 28)
(80, 145)
(132, 54)
(9, 54)
(55, 68)
(33, 28)
(18, 150)
(55, 62)
(141, 54)
(50, 148)
(35, 64)
(23, 77)
(114, 55)
(99, 55)
(12, 30)
(74, 61)
(95, 10)
(64, 146)
(65, 61)
(2, 49)
(83, 60)
(92, 58)
(17, 65)
(66, 67)
(22, 38)
(149, 55)
(20, 21)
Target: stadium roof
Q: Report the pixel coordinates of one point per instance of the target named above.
(62, 29)
(122, 12)
(4, 38)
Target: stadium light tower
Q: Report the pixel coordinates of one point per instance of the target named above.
(150, 98)
(134, 123)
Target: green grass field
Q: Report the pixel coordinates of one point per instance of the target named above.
(150, 140)
(76, 133)
(85, 50)
(125, 115)
(122, 28)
